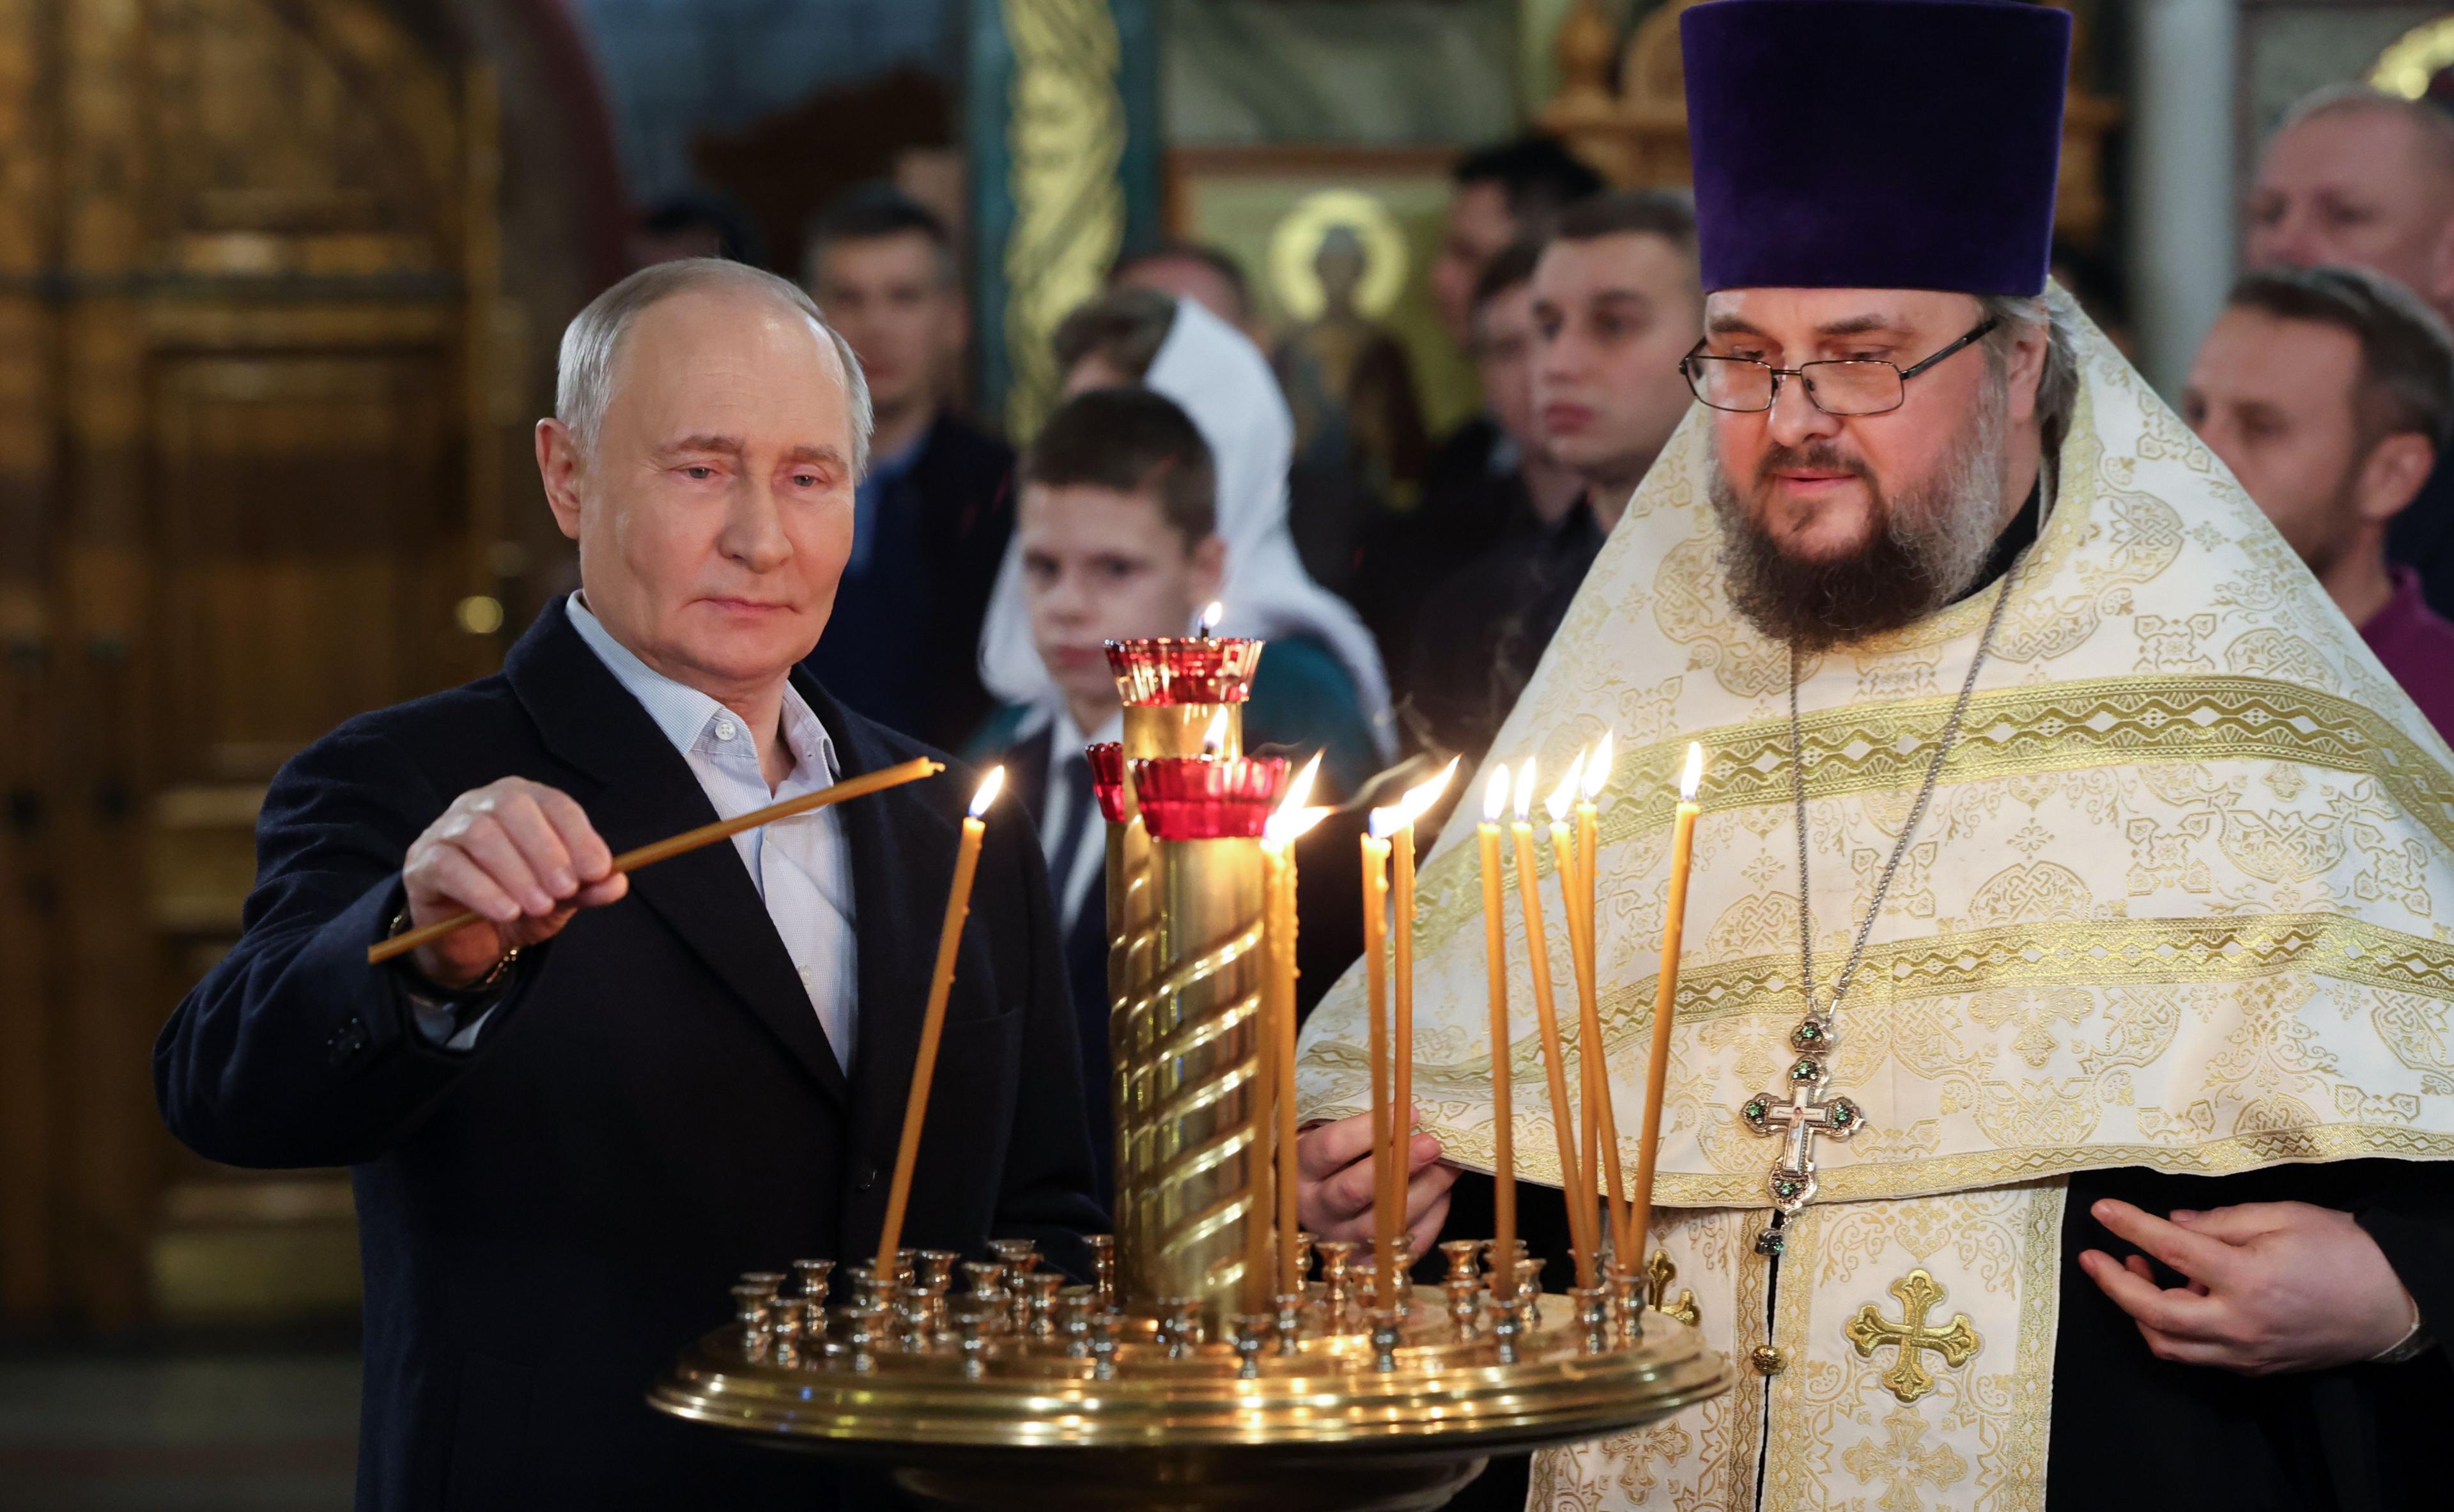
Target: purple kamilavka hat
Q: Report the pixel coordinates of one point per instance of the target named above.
(1874, 143)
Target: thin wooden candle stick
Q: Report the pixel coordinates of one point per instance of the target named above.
(1665, 998)
(1529, 896)
(1503, 1121)
(932, 1021)
(649, 854)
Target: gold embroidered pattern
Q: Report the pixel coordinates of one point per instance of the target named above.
(1908, 1379)
(1901, 1462)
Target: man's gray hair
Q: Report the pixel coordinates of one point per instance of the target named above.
(583, 387)
(2058, 386)
(2436, 128)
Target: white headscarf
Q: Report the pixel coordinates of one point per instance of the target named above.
(1221, 380)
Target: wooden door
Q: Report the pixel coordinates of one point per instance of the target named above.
(250, 467)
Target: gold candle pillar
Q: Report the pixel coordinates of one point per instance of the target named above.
(1180, 695)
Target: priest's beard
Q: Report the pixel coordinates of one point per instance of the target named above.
(1930, 540)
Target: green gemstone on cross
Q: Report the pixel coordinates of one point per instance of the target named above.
(1805, 1070)
(1757, 1110)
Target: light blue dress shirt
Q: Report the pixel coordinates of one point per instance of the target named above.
(801, 866)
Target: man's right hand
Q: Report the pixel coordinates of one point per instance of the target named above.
(523, 855)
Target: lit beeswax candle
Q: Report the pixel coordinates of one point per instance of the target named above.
(933, 1018)
(1590, 781)
(1529, 899)
(1665, 997)
(1416, 803)
(1279, 1012)
(1385, 1199)
(1495, 955)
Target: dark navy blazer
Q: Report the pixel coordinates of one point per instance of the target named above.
(651, 1109)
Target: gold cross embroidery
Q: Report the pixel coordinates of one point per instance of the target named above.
(1659, 1274)
(1908, 1378)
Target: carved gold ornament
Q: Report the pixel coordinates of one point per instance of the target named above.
(1659, 1274)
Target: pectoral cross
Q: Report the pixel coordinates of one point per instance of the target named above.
(1908, 1379)
(1800, 1120)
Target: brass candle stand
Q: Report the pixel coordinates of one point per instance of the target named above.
(1180, 1376)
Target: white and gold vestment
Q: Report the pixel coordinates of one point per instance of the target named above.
(2182, 901)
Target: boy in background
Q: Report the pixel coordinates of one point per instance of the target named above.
(1117, 529)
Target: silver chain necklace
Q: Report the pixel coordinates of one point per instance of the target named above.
(1804, 1115)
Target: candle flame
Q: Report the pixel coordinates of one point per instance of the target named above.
(1597, 770)
(1215, 735)
(1495, 795)
(990, 787)
(1419, 799)
(1211, 614)
(1564, 797)
(1385, 823)
(1300, 791)
(1526, 791)
(1689, 779)
(1288, 825)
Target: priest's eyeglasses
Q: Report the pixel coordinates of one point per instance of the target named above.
(1847, 386)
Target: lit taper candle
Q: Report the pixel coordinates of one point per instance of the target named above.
(1375, 927)
(1591, 782)
(1665, 997)
(1598, 1141)
(1287, 825)
(1416, 803)
(1538, 953)
(1503, 1118)
(932, 1018)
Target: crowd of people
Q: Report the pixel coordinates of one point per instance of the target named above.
(977, 595)
(982, 582)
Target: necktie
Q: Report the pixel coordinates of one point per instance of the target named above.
(1080, 806)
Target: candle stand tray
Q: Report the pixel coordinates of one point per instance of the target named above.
(1071, 1404)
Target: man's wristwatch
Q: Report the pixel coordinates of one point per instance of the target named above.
(478, 991)
(2411, 1346)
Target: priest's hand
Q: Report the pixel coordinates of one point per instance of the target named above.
(523, 855)
(1334, 1192)
(2273, 1286)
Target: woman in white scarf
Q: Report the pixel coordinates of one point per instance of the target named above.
(1221, 380)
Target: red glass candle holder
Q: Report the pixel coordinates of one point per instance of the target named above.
(1107, 759)
(1208, 797)
(1171, 670)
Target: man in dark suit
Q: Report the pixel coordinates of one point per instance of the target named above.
(572, 1124)
(936, 509)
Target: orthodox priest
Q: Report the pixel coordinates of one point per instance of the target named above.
(2063, 1037)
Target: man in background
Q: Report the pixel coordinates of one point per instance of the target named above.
(2357, 178)
(1208, 275)
(1504, 193)
(1616, 304)
(1520, 489)
(2329, 391)
(934, 511)
(1501, 193)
